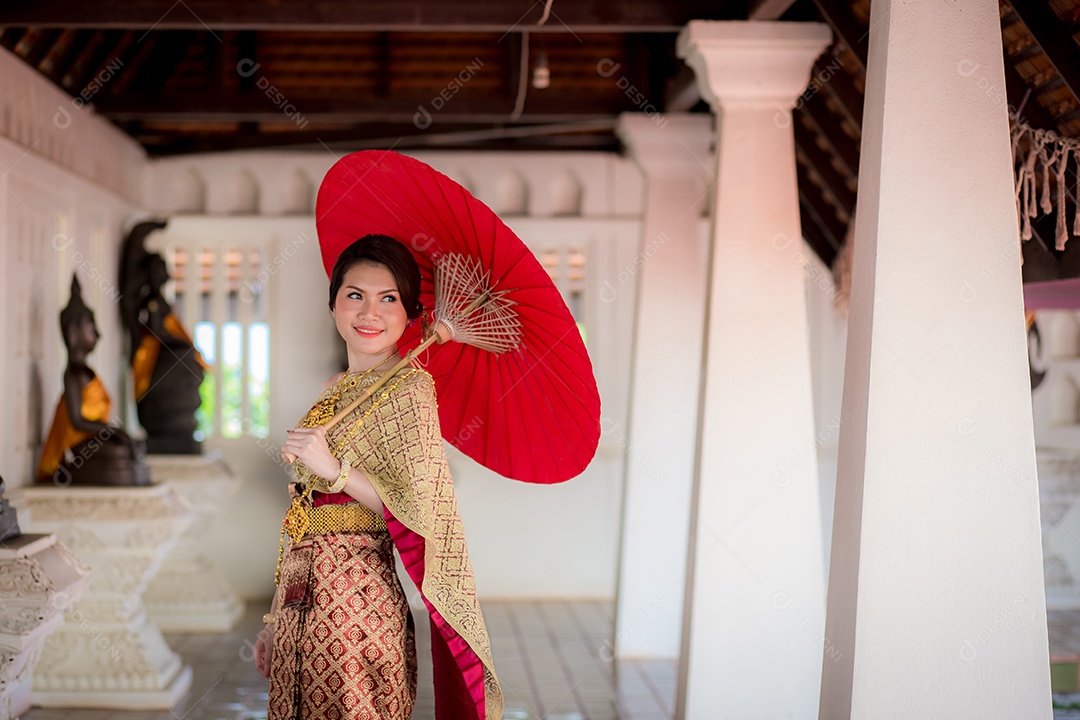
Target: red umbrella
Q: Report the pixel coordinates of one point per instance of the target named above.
(516, 391)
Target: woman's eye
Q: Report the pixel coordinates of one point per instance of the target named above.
(391, 298)
(354, 296)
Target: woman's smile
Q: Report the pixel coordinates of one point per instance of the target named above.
(366, 331)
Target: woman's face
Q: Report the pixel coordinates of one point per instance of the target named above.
(368, 312)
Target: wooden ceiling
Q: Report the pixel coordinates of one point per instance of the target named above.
(185, 76)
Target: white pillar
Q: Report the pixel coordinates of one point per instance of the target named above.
(755, 589)
(936, 603)
(673, 153)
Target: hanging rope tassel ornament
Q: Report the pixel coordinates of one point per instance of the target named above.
(1061, 232)
(1044, 197)
(1076, 194)
(1041, 158)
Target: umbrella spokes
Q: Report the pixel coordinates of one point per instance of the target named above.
(473, 312)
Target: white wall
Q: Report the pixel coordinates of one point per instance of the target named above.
(70, 185)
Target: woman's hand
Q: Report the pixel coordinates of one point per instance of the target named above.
(264, 650)
(309, 446)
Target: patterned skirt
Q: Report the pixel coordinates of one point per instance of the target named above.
(347, 652)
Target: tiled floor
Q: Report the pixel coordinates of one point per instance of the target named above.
(1065, 643)
(552, 658)
(1064, 633)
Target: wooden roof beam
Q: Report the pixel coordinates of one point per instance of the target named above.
(11, 36)
(583, 16)
(819, 161)
(75, 69)
(814, 235)
(821, 213)
(134, 61)
(67, 49)
(767, 9)
(1016, 91)
(111, 62)
(168, 50)
(352, 108)
(1048, 31)
(846, 26)
(42, 46)
(399, 136)
(840, 86)
(828, 126)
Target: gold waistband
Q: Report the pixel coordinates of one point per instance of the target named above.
(346, 518)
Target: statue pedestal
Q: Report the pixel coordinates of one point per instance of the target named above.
(39, 579)
(1059, 495)
(107, 654)
(189, 594)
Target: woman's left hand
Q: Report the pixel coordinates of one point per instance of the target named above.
(309, 446)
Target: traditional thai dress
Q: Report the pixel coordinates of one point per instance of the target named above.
(347, 649)
(63, 436)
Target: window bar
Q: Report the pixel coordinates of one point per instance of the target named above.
(243, 314)
(218, 310)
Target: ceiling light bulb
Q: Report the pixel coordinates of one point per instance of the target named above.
(541, 73)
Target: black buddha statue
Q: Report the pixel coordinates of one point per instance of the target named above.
(82, 447)
(166, 367)
(9, 523)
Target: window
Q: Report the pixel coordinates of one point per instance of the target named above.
(227, 309)
(566, 267)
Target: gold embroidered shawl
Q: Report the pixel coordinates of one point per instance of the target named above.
(399, 447)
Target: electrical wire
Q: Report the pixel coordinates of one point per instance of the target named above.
(523, 78)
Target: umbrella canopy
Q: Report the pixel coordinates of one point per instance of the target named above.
(530, 413)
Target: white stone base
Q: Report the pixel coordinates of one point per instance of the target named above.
(38, 577)
(107, 654)
(1059, 496)
(134, 668)
(126, 700)
(189, 594)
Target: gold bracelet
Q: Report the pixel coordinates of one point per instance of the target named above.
(269, 619)
(342, 479)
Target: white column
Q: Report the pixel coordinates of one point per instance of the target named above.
(673, 153)
(936, 603)
(755, 589)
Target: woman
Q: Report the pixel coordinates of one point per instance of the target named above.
(339, 637)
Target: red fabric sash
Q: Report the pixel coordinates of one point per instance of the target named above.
(459, 674)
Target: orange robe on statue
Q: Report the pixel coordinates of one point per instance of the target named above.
(142, 366)
(96, 407)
